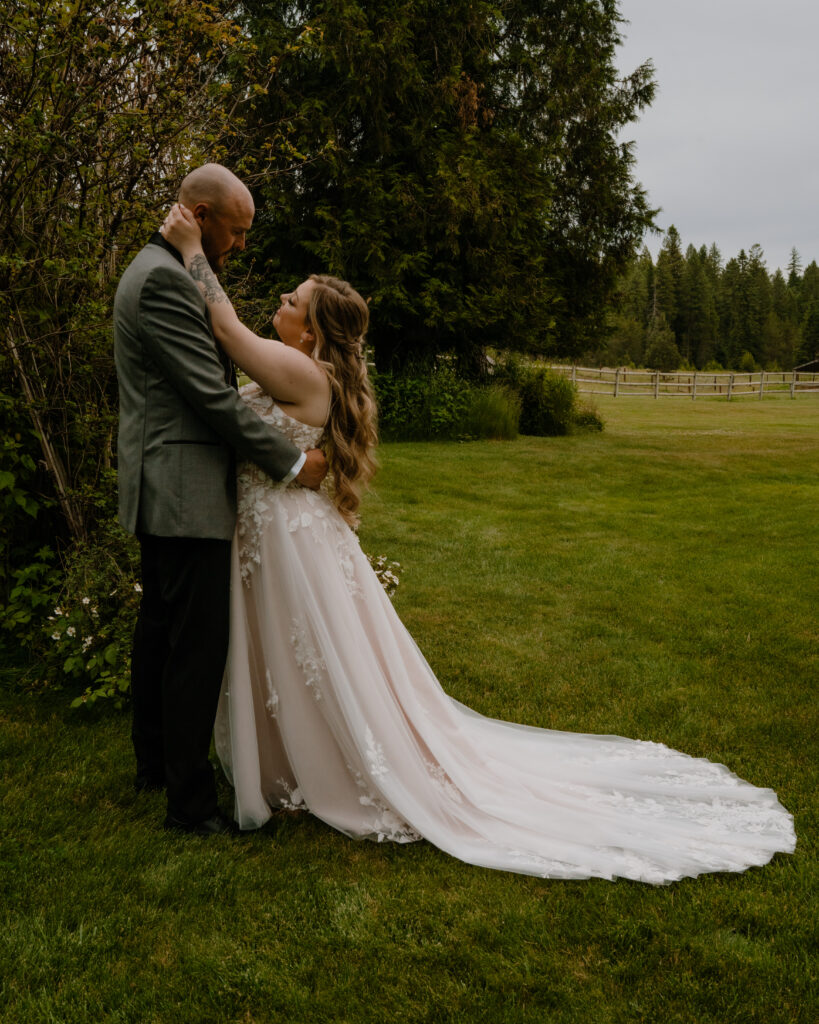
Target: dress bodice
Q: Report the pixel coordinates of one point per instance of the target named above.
(301, 434)
(261, 499)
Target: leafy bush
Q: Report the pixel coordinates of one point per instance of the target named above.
(422, 406)
(548, 399)
(747, 363)
(493, 412)
(76, 622)
(437, 404)
(587, 417)
(32, 591)
(547, 403)
(25, 532)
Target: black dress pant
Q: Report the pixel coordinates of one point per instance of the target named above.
(179, 654)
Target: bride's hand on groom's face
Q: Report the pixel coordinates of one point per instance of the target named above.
(181, 229)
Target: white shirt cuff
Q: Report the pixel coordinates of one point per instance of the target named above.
(294, 472)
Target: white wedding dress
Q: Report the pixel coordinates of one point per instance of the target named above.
(328, 705)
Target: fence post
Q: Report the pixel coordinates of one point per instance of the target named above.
(761, 383)
(730, 386)
(574, 374)
(617, 382)
(656, 383)
(694, 387)
(793, 384)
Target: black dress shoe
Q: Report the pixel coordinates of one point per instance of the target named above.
(217, 824)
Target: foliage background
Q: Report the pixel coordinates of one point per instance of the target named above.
(696, 310)
(459, 162)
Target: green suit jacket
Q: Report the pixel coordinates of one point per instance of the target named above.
(181, 420)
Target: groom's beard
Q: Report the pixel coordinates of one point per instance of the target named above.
(218, 259)
(217, 263)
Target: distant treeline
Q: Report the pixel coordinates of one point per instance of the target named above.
(693, 310)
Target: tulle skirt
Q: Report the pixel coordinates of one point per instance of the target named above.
(328, 705)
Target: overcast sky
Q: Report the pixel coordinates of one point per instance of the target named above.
(730, 147)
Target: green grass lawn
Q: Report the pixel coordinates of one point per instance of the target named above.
(659, 580)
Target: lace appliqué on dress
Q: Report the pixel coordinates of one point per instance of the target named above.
(385, 825)
(443, 783)
(294, 801)
(376, 761)
(272, 701)
(260, 498)
(307, 658)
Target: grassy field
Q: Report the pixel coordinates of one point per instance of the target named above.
(658, 580)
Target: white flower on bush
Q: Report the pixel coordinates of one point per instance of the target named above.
(56, 636)
(86, 600)
(138, 588)
(71, 631)
(86, 642)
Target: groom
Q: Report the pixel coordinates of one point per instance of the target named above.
(181, 425)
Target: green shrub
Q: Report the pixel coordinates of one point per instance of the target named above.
(24, 521)
(547, 403)
(549, 400)
(439, 405)
(587, 417)
(661, 352)
(31, 592)
(747, 363)
(493, 413)
(75, 622)
(423, 406)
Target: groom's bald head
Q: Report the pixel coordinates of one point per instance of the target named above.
(223, 208)
(214, 184)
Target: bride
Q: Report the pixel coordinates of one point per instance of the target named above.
(328, 705)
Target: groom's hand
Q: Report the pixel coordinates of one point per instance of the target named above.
(314, 469)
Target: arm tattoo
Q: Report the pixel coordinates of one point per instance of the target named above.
(200, 271)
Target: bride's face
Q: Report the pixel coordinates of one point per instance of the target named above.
(290, 320)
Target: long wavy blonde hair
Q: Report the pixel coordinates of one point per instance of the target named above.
(338, 318)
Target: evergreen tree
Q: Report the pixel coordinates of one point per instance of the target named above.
(668, 281)
(713, 263)
(759, 296)
(794, 269)
(730, 315)
(809, 286)
(458, 162)
(809, 348)
(631, 312)
(781, 343)
(661, 350)
(780, 301)
(698, 314)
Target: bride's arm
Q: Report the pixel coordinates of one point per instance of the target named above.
(285, 373)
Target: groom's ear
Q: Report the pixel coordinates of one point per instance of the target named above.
(200, 212)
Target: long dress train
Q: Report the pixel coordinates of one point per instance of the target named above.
(329, 705)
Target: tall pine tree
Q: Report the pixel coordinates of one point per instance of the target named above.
(458, 162)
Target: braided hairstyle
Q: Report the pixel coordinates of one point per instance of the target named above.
(338, 317)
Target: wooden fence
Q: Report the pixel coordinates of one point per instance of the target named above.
(692, 384)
